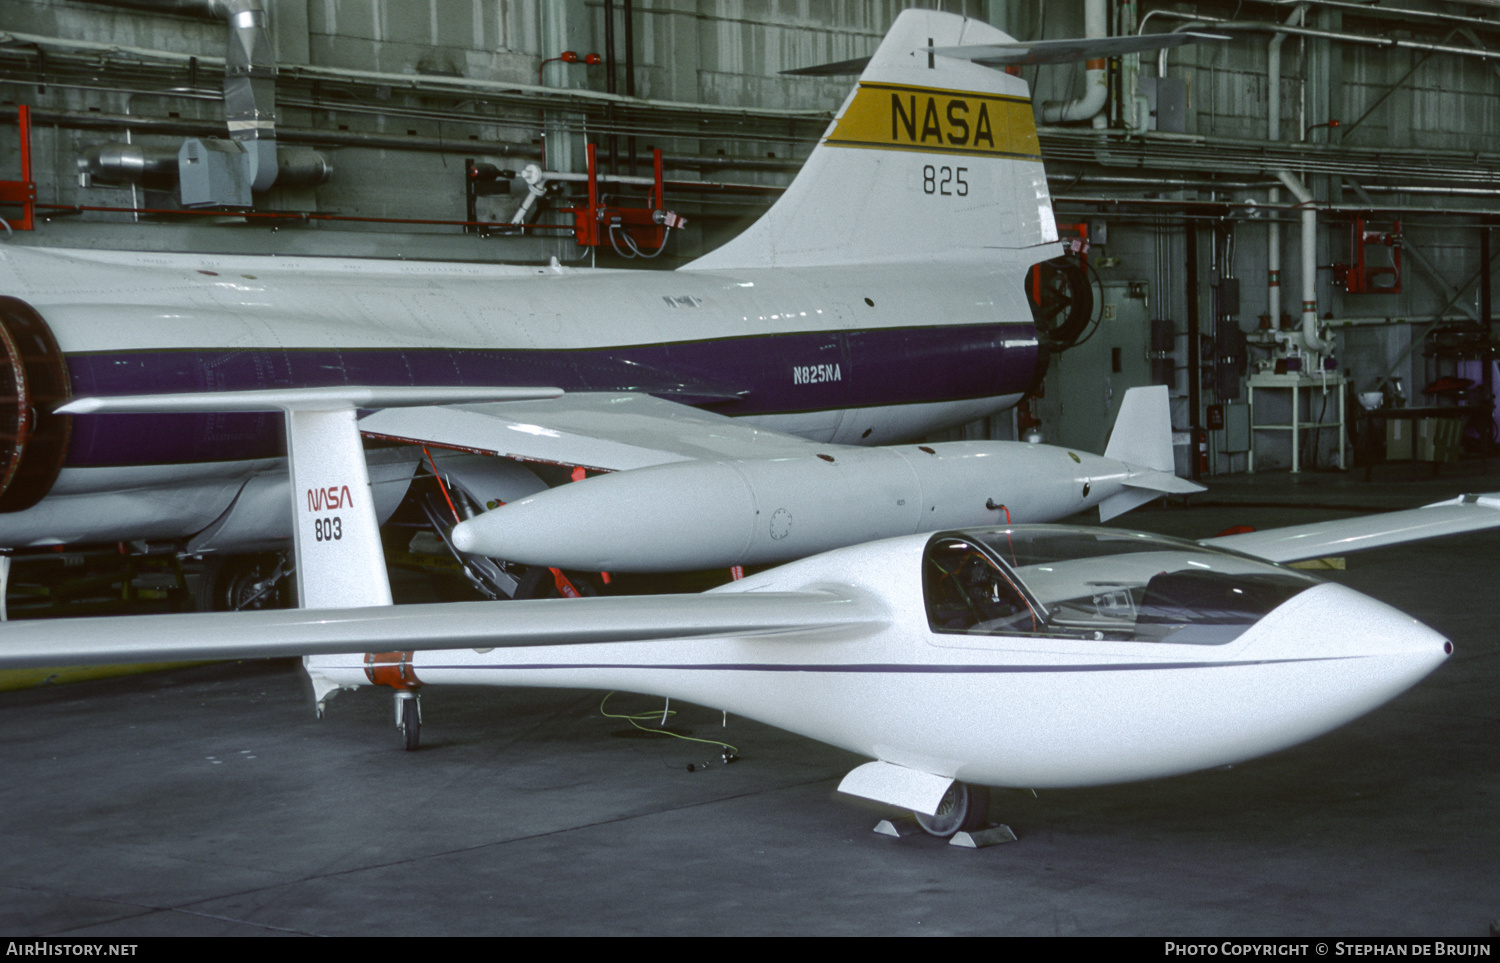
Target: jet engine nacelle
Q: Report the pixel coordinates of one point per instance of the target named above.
(709, 514)
(33, 382)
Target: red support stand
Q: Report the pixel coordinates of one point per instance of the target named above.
(22, 193)
(594, 223)
(1363, 277)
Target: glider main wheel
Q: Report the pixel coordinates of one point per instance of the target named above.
(964, 808)
(540, 582)
(411, 723)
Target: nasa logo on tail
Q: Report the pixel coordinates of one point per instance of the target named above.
(900, 117)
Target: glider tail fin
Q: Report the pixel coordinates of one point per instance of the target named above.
(929, 153)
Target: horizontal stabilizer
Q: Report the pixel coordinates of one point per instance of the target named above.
(1071, 49)
(1162, 482)
(842, 68)
(1294, 543)
(1142, 441)
(1032, 52)
(1142, 487)
(278, 633)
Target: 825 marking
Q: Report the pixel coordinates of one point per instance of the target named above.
(946, 181)
(328, 529)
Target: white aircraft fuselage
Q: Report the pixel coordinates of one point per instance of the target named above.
(842, 354)
(1008, 708)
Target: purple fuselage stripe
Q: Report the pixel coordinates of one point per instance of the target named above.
(892, 668)
(731, 376)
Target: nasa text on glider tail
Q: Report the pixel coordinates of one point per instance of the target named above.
(880, 298)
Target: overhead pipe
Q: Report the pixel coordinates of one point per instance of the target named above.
(1161, 183)
(1367, 9)
(630, 72)
(1273, 197)
(1310, 339)
(468, 87)
(1096, 84)
(1309, 245)
(1135, 105)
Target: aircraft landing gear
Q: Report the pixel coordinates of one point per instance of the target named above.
(409, 717)
(237, 583)
(962, 819)
(964, 807)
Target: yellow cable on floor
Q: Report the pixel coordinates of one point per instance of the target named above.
(652, 715)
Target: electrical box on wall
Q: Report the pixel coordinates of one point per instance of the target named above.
(1236, 437)
(1167, 97)
(1230, 356)
(1227, 297)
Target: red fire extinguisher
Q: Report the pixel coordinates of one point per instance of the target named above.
(1200, 452)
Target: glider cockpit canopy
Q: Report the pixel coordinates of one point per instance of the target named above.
(1095, 583)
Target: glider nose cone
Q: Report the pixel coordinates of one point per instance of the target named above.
(1322, 658)
(1363, 626)
(1331, 621)
(1355, 652)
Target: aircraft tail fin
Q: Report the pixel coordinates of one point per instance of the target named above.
(1142, 441)
(1142, 436)
(930, 152)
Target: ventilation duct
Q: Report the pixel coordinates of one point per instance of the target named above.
(249, 111)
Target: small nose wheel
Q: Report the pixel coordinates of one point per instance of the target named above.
(409, 717)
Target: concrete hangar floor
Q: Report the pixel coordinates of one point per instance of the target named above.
(210, 801)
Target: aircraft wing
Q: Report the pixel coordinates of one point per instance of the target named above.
(610, 431)
(444, 625)
(1466, 513)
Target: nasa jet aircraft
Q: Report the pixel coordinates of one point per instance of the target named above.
(879, 299)
(1026, 656)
